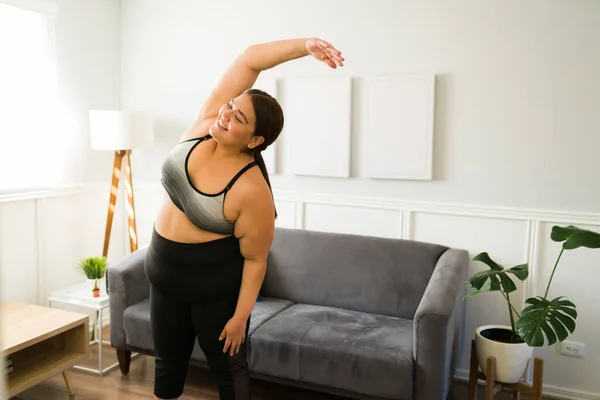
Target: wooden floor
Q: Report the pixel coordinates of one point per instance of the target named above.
(200, 385)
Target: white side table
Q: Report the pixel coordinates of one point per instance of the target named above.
(81, 296)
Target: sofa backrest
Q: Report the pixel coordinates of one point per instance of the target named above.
(361, 273)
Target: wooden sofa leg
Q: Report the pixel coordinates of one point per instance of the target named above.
(124, 358)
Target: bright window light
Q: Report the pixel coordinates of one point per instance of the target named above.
(30, 138)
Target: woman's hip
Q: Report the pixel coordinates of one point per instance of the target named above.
(195, 270)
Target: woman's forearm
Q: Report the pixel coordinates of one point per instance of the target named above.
(252, 279)
(263, 56)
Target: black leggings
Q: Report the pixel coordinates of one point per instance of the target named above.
(193, 293)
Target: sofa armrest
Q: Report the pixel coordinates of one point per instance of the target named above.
(127, 285)
(438, 326)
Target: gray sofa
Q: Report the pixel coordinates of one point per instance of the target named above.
(357, 316)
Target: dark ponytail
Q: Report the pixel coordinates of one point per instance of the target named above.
(263, 168)
(269, 123)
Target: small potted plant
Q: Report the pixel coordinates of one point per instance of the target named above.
(93, 268)
(542, 320)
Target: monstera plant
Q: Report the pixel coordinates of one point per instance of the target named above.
(498, 279)
(554, 318)
(542, 321)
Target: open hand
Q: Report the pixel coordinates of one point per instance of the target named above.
(323, 51)
(234, 334)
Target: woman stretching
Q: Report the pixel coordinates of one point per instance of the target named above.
(207, 258)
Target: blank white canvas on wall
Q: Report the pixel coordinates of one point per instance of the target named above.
(399, 127)
(318, 122)
(269, 85)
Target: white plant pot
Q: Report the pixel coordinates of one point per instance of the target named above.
(512, 359)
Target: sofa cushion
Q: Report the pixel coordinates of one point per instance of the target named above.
(369, 274)
(138, 333)
(264, 310)
(337, 348)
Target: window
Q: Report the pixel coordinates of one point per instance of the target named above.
(29, 106)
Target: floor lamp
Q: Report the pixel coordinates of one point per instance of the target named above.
(121, 132)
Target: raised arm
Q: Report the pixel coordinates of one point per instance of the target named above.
(244, 71)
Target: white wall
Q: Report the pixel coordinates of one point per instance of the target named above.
(515, 100)
(515, 97)
(88, 56)
(86, 36)
(44, 237)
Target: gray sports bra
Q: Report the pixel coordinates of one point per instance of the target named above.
(204, 210)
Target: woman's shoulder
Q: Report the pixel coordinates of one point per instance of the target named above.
(254, 202)
(251, 189)
(252, 182)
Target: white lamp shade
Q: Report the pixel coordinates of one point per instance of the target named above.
(121, 130)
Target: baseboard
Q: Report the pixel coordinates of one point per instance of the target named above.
(549, 391)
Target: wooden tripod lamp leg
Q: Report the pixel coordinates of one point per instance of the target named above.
(114, 189)
(133, 239)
